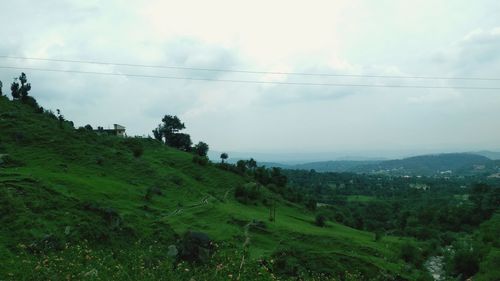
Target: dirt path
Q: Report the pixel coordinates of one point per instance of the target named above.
(203, 201)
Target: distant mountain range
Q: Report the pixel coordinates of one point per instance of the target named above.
(490, 154)
(425, 165)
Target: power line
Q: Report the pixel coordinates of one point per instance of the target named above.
(252, 81)
(253, 72)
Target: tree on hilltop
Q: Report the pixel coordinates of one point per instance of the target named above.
(20, 91)
(172, 125)
(169, 132)
(201, 148)
(224, 156)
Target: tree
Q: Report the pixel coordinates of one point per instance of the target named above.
(1, 85)
(262, 175)
(224, 156)
(201, 148)
(20, 91)
(411, 254)
(277, 178)
(252, 164)
(158, 134)
(311, 204)
(169, 131)
(180, 141)
(60, 117)
(14, 88)
(241, 166)
(465, 260)
(171, 125)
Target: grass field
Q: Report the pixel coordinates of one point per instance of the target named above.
(73, 206)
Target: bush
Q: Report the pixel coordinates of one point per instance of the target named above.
(320, 220)
(177, 180)
(111, 217)
(31, 101)
(46, 243)
(201, 149)
(7, 161)
(311, 204)
(150, 191)
(248, 192)
(411, 254)
(180, 141)
(465, 262)
(99, 160)
(195, 247)
(200, 160)
(135, 146)
(137, 151)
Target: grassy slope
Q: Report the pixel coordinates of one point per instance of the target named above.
(59, 176)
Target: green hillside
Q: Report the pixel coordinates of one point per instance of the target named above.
(75, 205)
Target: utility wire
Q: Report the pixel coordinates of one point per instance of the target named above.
(251, 81)
(252, 72)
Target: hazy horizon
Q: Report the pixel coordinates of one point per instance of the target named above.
(300, 158)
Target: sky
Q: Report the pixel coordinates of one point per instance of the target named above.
(354, 37)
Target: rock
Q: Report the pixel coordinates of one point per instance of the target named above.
(196, 247)
(172, 251)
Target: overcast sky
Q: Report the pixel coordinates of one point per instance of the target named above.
(363, 37)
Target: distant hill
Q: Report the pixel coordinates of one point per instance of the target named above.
(448, 163)
(493, 155)
(436, 164)
(324, 166)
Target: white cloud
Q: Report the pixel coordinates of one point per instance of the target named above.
(354, 37)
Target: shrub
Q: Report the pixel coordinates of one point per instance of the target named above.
(31, 101)
(137, 151)
(8, 161)
(46, 243)
(150, 191)
(110, 215)
(320, 220)
(177, 180)
(135, 146)
(411, 254)
(465, 262)
(248, 192)
(196, 247)
(311, 204)
(99, 160)
(200, 160)
(201, 149)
